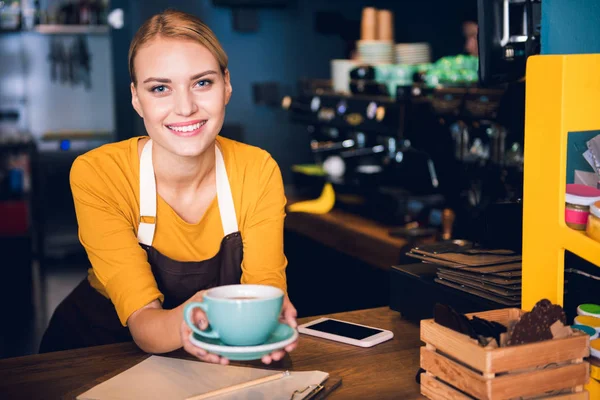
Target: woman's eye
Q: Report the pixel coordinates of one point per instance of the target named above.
(203, 83)
(159, 89)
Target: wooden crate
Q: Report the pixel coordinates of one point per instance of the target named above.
(457, 367)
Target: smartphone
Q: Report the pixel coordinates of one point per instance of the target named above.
(345, 332)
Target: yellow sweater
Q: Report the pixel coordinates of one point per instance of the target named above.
(105, 186)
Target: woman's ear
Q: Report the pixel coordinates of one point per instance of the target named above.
(228, 88)
(135, 101)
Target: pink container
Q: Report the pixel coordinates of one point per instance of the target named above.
(578, 199)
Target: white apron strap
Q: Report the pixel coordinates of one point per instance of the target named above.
(224, 196)
(147, 197)
(147, 225)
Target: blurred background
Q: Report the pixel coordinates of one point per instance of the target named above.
(380, 98)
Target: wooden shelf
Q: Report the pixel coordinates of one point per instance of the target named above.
(72, 29)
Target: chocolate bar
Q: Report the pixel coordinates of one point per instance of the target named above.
(535, 326)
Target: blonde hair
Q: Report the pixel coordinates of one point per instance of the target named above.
(174, 24)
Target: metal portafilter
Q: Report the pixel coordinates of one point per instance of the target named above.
(321, 147)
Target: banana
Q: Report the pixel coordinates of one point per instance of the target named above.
(322, 205)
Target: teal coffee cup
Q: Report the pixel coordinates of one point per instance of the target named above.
(238, 315)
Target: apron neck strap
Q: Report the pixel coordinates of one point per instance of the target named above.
(224, 196)
(147, 225)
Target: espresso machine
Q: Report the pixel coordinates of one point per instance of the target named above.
(360, 141)
(402, 158)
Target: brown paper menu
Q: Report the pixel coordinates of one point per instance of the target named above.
(163, 378)
(468, 260)
(481, 293)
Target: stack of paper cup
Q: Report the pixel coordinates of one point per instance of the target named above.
(376, 51)
(385, 25)
(377, 37)
(412, 53)
(368, 25)
(340, 74)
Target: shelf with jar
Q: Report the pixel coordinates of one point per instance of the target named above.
(561, 126)
(561, 103)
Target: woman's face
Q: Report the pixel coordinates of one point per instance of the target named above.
(181, 94)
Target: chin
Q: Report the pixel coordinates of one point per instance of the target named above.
(189, 149)
(184, 146)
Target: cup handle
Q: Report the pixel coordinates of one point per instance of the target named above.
(187, 315)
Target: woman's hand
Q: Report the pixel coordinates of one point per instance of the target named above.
(198, 318)
(288, 316)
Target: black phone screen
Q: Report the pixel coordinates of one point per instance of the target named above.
(344, 329)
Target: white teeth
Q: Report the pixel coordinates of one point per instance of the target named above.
(187, 128)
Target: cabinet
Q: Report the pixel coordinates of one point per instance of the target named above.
(562, 99)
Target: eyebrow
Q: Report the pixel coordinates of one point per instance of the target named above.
(193, 78)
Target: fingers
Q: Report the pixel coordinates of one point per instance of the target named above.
(197, 351)
(203, 355)
(211, 358)
(290, 319)
(199, 318)
(277, 355)
(291, 347)
(274, 356)
(289, 313)
(266, 359)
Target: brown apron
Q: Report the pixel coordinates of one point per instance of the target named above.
(86, 318)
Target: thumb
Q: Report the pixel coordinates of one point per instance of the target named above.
(290, 315)
(199, 319)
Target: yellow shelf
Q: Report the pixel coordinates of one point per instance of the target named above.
(579, 243)
(563, 97)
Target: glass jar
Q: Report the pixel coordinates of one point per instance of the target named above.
(576, 216)
(578, 199)
(593, 224)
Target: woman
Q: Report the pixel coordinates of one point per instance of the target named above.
(164, 218)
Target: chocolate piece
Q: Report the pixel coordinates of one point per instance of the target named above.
(535, 326)
(489, 329)
(477, 328)
(449, 318)
(481, 327)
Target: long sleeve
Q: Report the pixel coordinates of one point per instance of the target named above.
(107, 233)
(264, 259)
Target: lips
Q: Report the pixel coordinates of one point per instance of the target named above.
(186, 129)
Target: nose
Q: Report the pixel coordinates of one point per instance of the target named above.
(184, 103)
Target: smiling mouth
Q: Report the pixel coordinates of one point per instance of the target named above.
(186, 128)
(189, 130)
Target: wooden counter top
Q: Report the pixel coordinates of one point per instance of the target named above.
(350, 234)
(385, 371)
